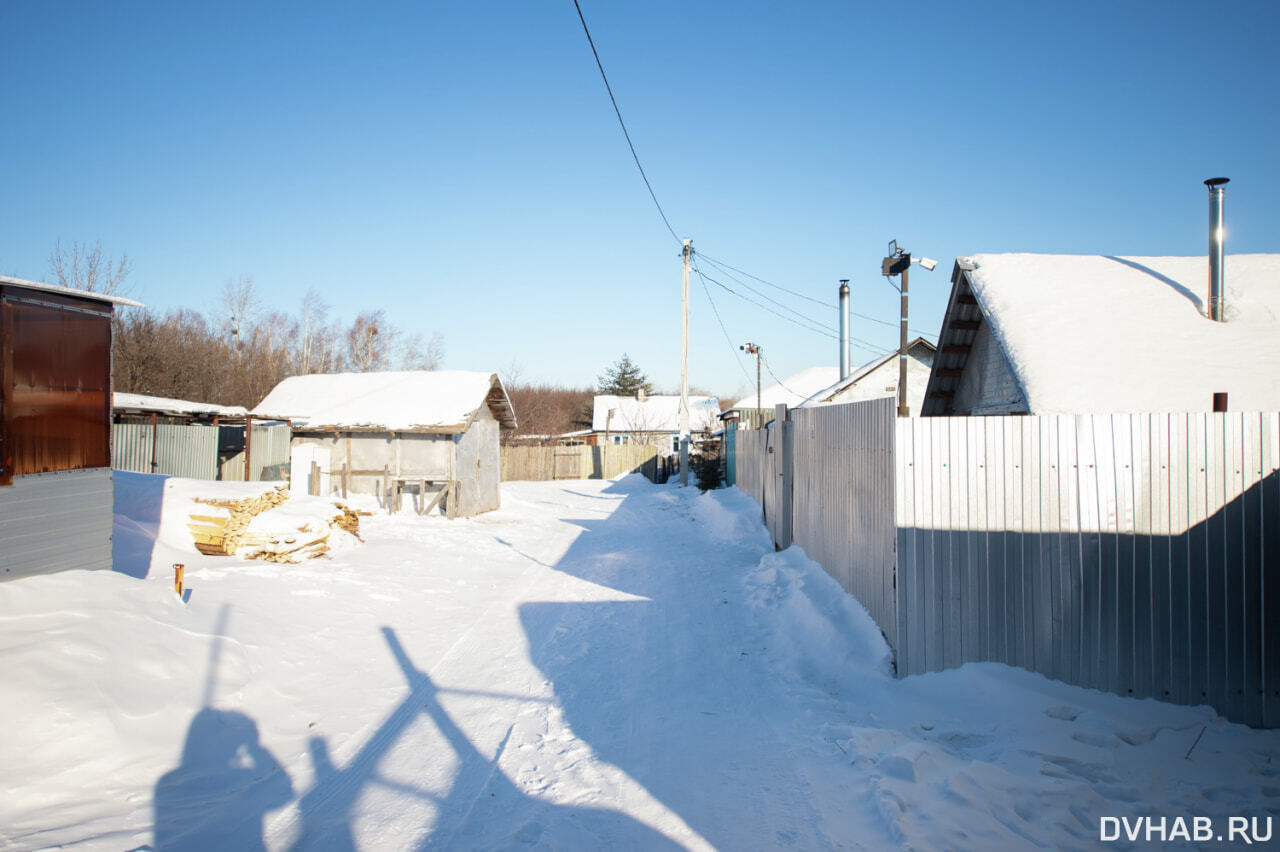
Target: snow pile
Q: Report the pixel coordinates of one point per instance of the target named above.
(392, 400)
(729, 515)
(1090, 334)
(816, 630)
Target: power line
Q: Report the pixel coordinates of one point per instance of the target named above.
(727, 268)
(776, 379)
(724, 266)
(716, 311)
(806, 317)
(622, 123)
(766, 308)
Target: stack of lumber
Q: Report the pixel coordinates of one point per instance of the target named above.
(229, 534)
(218, 535)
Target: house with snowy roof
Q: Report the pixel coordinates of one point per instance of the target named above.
(653, 420)
(879, 377)
(1073, 334)
(755, 411)
(430, 433)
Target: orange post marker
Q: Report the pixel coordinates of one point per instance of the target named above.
(177, 578)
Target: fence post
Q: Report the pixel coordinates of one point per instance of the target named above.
(786, 469)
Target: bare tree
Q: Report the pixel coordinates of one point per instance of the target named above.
(415, 355)
(237, 307)
(84, 267)
(316, 347)
(368, 341)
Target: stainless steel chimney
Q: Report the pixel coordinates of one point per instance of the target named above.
(1216, 236)
(844, 329)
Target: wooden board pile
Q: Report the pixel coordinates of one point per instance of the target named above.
(218, 535)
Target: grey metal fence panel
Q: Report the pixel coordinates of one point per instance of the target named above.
(1134, 553)
(843, 498)
(179, 450)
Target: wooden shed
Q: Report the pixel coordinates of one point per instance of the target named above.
(432, 434)
(56, 501)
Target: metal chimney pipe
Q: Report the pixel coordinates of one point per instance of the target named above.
(1216, 237)
(844, 329)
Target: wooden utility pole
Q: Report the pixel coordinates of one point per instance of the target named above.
(684, 367)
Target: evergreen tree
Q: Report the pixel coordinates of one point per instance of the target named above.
(624, 378)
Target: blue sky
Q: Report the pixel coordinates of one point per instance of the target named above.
(460, 166)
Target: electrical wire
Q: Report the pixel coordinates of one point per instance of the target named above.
(727, 338)
(622, 123)
(724, 266)
(805, 317)
(730, 290)
(775, 378)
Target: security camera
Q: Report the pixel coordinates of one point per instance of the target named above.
(928, 263)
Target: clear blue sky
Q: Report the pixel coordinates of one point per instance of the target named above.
(460, 165)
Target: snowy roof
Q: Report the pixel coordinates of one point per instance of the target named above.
(68, 291)
(824, 396)
(794, 389)
(438, 401)
(1092, 334)
(164, 405)
(655, 414)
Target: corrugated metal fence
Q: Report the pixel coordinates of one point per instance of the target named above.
(1136, 553)
(190, 451)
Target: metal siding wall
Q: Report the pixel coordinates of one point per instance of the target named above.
(843, 499)
(1136, 553)
(56, 522)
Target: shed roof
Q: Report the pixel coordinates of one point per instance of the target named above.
(792, 390)
(825, 395)
(1091, 334)
(68, 291)
(655, 414)
(165, 405)
(422, 401)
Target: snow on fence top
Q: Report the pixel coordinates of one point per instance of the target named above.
(1094, 334)
(655, 414)
(440, 401)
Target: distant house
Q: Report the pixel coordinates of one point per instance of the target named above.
(434, 434)
(879, 377)
(651, 420)
(754, 411)
(1072, 334)
(56, 502)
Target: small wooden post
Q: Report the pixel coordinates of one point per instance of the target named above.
(346, 479)
(178, 570)
(248, 445)
(155, 436)
(386, 487)
(313, 485)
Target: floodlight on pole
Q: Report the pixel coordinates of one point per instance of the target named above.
(752, 349)
(898, 262)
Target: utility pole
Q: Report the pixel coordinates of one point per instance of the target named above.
(752, 349)
(899, 263)
(684, 367)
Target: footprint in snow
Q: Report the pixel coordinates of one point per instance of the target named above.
(1066, 714)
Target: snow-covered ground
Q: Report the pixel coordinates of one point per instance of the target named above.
(597, 665)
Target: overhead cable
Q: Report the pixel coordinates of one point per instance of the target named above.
(622, 123)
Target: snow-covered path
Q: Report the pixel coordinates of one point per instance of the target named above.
(596, 665)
